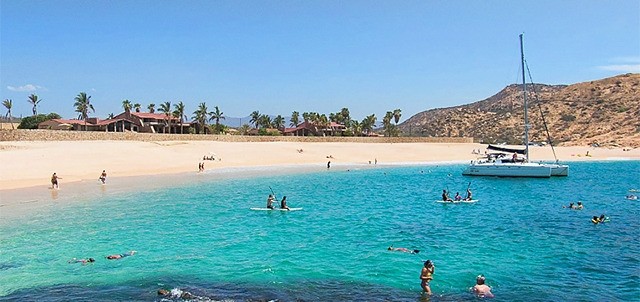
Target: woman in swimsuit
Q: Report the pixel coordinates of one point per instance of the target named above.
(283, 203)
(426, 276)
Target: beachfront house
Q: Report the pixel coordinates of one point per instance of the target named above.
(143, 122)
(314, 129)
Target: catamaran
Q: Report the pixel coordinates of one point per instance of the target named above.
(502, 165)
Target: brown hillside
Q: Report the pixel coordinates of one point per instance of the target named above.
(606, 111)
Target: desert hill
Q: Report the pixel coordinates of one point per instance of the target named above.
(605, 111)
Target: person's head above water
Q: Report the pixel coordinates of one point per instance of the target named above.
(92, 260)
(480, 280)
(390, 247)
(428, 263)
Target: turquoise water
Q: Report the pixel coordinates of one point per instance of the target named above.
(202, 237)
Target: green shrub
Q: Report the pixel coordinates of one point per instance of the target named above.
(31, 122)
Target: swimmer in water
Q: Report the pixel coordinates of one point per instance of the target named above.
(83, 261)
(119, 256)
(402, 249)
(480, 289)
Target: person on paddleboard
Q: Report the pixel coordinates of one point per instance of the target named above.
(283, 203)
(445, 196)
(270, 202)
(469, 195)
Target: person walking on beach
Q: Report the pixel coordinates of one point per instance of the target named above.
(270, 202)
(328, 164)
(54, 181)
(103, 177)
(283, 203)
(426, 276)
(481, 290)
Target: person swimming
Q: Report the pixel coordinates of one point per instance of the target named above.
(403, 249)
(481, 290)
(119, 256)
(595, 220)
(579, 206)
(570, 206)
(83, 261)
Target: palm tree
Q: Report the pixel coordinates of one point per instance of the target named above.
(305, 116)
(386, 123)
(356, 127)
(33, 100)
(244, 129)
(152, 108)
(255, 118)
(368, 123)
(126, 105)
(111, 116)
(166, 109)
(295, 119)
(346, 118)
(83, 104)
(396, 115)
(265, 121)
(201, 114)
(136, 106)
(179, 113)
(8, 103)
(278, 121)
(217, 115)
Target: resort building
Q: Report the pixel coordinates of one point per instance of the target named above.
(127, 121)
(312, 129)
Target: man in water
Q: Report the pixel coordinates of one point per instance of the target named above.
(54, 181)
(103, 177)
(480, 289)
(579, 206)
(445, 196)
(119, 256)
(426, 275)
(270, 202)
(403, 249)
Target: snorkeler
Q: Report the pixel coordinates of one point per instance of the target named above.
(83, 261)
(403, 249)
(119, 256)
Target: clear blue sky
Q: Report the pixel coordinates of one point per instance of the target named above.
(281, 56)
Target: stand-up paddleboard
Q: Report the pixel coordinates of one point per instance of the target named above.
(458, 201)
(276, 209)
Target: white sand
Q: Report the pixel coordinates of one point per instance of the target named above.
(31, 164)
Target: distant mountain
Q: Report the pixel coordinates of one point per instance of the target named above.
(605, 111)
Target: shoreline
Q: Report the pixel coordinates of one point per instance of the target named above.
(28, 166)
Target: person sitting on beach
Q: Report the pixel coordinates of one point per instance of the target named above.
(403, 249)
(457, 197)
(595, 220)
(83, 261)
(469, 195)
(480, 289)
(445, 196)
(103, 177)
(283, 203)
(270, 202)
(119, 256)
(54, 181)
(426, 275)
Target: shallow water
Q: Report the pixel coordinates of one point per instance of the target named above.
(201, 236)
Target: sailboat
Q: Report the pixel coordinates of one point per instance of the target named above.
(500, 164)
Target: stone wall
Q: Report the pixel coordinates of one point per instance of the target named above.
(61, 135)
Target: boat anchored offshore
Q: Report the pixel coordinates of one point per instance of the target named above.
(501, 164)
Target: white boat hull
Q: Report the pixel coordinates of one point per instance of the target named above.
(500, 169)
(558, 169)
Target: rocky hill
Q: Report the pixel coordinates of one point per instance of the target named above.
(606, 112)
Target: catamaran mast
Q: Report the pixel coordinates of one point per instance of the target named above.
(524, 95)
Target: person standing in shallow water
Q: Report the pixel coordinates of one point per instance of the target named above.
(328, 164)
(54, 181)
(426, 276)
(103, 177)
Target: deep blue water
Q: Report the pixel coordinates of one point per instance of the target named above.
(202, 237)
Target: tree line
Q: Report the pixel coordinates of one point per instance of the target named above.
(202, 115)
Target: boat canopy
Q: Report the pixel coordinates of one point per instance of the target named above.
(519, 150)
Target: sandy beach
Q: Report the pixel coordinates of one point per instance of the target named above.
(31, 164)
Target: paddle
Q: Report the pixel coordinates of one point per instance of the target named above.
(274, 194)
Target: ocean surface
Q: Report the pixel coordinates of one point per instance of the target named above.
(199, 235)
